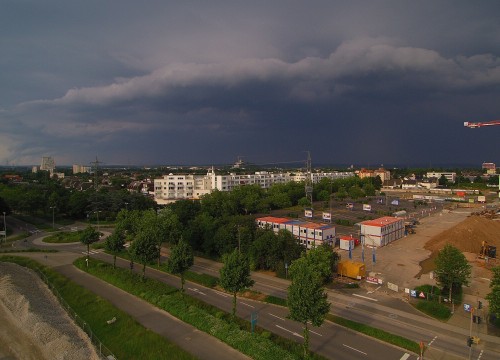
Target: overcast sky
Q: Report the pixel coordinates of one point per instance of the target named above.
(203, 82)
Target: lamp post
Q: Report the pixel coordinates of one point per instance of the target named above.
(97, 212)
(126, 206)
(53, 208)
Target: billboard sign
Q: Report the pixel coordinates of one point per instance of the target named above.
(327, 216)
(308, 213)
(367, 207)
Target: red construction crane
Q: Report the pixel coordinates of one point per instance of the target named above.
(474, 125)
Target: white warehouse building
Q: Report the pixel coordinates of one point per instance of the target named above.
(381, 231)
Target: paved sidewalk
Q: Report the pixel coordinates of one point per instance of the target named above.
(194, 341)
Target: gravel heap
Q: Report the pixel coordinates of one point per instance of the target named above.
(35, 313)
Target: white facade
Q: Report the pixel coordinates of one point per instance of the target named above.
(81, 169)
(381, 231)
(309, 234)
(173, 187)
(450, 176)
(188, 186)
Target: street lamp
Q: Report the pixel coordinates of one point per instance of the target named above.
(97, 212)
(126, 206)
(53, 208)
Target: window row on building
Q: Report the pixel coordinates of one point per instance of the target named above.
(309, 234)
(189, 186)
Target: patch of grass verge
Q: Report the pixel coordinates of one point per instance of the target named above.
(376, 333)
(202, 279)
(275, 300)
(434, 309)
(126, 338)
(203, 316)
(63, 237)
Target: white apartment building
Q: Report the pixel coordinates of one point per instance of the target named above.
(173, 187)
(450, 176)
(188, 186)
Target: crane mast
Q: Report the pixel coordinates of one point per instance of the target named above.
(473, 125)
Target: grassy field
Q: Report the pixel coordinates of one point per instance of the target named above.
(126, 338)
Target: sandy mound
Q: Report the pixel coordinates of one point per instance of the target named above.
(468, 235)
(39, 327)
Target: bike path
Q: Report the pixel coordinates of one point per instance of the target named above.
(194, 341)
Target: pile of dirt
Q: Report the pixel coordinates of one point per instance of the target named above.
(38, 328)
(468, 235)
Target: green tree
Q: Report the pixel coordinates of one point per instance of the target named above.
(144, 249)
(321, 260)
(494, 296)
(307, 300)
(443, 181)
(181, 259)
(341, 194)
(89, 236)
(114, 244)
(452, 269)
(355, 192)
(235, 275)
(377, 183)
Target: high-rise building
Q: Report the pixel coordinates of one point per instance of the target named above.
(48, 164)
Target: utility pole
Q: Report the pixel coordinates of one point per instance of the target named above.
(96, 169)
(309, 182)
(53, 208)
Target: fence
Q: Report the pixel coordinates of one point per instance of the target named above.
(102, 350)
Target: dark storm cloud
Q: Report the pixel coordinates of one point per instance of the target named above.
(349, 81)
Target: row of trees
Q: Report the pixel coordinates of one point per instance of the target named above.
(38, 199)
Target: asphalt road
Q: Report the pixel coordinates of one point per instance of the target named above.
(374, 309)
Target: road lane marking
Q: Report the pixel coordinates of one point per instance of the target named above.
(371, 292)
(291, 332)
(197, 291)
(221, 293)
(365, 297)
(347, 346)
(405, 356)
(316, 333)
(241, 302)
(276, 316)
(429, 344)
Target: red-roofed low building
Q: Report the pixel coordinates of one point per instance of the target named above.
(308, 233)
(382, 231)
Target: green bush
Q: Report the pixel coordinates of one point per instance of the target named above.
(434, 309)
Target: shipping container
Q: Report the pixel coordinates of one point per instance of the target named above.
(351, 269)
